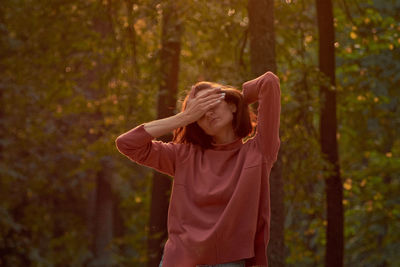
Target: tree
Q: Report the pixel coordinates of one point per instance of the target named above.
(328, 136)
(95, 82)
(169, 70)
(262, 59)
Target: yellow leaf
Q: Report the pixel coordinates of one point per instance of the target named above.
(108, 120)
(186, 53)
(140, 25)
(353, 35)
(347, 184)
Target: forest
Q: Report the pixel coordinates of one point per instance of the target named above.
(76, 74)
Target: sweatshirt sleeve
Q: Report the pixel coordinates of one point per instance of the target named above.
(138, 145)
(266, 90)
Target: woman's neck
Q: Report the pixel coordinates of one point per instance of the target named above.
(225, 137)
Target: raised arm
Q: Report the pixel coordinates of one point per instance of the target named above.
(266, 90)
(196, 107)
(164, 126)
(138, 145)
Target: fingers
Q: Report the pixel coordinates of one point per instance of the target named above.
(191, 94)
(213, 91)
(211, 102)
(214, 96)
(198, 105)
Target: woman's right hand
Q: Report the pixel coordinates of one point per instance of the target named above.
(204, 100)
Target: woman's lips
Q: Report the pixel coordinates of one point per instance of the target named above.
(212, 121)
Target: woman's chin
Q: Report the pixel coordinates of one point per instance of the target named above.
(214, 129)
(211, 131)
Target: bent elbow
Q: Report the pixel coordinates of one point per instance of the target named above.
(271, 79)
(120, 144)
(270, 76)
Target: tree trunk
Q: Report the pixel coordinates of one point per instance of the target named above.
(103, 217)
(262, 56)
(262, 36)
(329, 147)
(169, 69)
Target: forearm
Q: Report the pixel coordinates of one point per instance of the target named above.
(164, 126)
(195, 109)
(266, 89)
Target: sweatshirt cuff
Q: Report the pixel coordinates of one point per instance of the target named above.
(135, 137)
(142, 131)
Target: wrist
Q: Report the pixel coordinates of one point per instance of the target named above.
(184, 118)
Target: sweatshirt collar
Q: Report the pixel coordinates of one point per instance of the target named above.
(228, 146)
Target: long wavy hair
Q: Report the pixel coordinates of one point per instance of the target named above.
(242, 122)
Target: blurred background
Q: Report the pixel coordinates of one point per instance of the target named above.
(76, 74)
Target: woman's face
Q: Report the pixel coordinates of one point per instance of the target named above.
(217, 118)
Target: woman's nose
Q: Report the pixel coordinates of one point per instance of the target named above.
(209, 112)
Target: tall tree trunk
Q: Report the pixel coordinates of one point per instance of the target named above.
(169, 69)
(103, 219)
(328, 128)
(3, 52)
(102, 215)
(262, 56)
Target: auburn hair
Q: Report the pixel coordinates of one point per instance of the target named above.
(242, 118)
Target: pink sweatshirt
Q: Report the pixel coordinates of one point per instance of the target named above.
(219, 209)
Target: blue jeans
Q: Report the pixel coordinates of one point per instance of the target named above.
(239, 263)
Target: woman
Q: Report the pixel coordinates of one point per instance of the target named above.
(219, 211)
